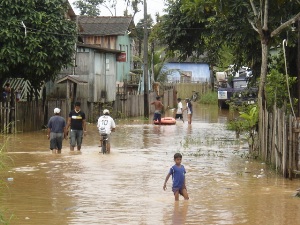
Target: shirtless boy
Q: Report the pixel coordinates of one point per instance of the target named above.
(158, 109)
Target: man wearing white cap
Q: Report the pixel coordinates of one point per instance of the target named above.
(56, 131)
(106, 124)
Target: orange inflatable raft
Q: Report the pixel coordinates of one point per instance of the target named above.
(166, 121)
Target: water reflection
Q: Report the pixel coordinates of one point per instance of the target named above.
(180, 212)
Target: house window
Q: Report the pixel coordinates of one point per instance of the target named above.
(107, 64)
(120, 46)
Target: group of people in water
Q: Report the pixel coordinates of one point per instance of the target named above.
(58, 129)
(179, 113)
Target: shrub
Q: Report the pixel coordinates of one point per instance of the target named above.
(209, 98)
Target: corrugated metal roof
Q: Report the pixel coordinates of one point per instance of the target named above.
(104, 25)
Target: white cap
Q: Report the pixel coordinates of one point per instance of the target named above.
(105, 111)
(56, 110)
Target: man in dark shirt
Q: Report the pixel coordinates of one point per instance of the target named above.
(56, 131)
(77, 123)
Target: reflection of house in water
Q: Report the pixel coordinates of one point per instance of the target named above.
(188, 72)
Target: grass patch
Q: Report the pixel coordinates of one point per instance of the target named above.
(209, 98)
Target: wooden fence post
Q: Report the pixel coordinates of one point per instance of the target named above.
(290, 149)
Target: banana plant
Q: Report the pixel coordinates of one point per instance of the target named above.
(251, 119)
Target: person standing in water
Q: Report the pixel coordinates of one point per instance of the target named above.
(178, 176)
(189, 109)
(158, 109)
(77, 123)
(56, 131)
(179, 110)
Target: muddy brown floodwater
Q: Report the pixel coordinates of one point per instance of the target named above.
(125, 187)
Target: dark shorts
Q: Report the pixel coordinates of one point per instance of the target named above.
(157, 116)
(178, 116)
(76, 137)
(56, 140)
(178, 189)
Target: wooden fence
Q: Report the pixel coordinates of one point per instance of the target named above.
(32, 116)
(279, 141)
(8, 113)
(133, 105)
(7, 117)
(63, 104)
(21, 116)
(185, 90)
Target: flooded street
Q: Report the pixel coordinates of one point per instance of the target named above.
(126, 186)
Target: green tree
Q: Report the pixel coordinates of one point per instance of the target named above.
(193, 27)
(277, 89)
(39, 52)
(183, 35)
(92, 7)
(89, 7)
(249, 27)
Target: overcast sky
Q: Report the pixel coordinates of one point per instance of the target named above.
(153, 6)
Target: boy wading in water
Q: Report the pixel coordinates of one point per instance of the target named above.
(158, 109)
(178, 175)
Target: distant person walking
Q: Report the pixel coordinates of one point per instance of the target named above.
(158, 109)
(77, 123)
(179, 110)
(189, 109)
(178, 176)
(56, 131)
(106, 125)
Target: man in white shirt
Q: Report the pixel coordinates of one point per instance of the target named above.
(179, 110)
(106, 125)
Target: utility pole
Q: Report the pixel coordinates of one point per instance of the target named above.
(146, 88)
(152, 64)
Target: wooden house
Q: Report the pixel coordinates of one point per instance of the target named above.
(111, 32)
(92, 81)
(102, 61)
